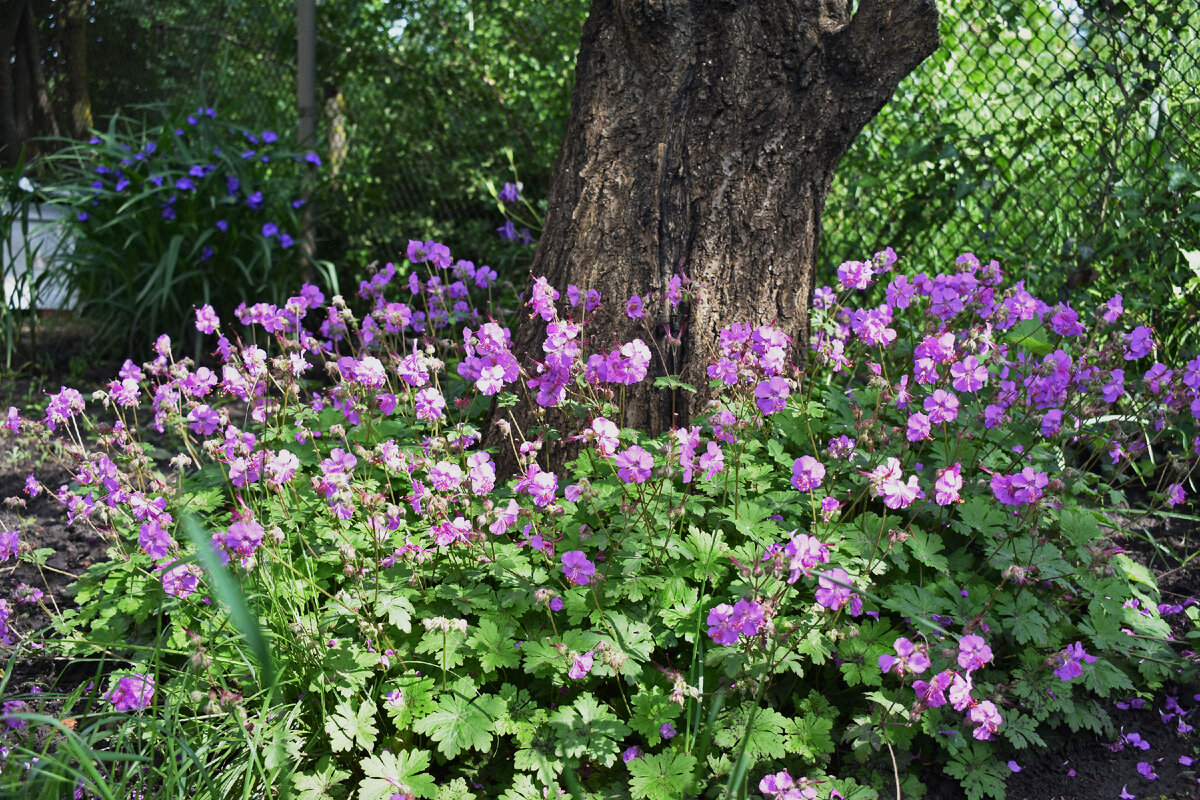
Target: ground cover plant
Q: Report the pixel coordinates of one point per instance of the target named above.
(894, 546)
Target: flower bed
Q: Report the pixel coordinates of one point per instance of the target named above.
(894, 548)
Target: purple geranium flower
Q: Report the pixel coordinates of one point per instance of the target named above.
(807, 473)
(634, 465)
(132, 693)
(973, 652)
(581, 665)
(577, 568)
(1069, 659)
(771, 395)
(834, 591)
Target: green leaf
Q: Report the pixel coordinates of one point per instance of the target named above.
(926, 547)
(650, 710)
(348, 725)
(539, 756)
(415, 699)
(343, 666)
(445, 647)
(980, 773)
(588, 729)
(809, 737)
(1137, 573)
(523, 788)
(462, 721)
(662, 776)
(494, 647)
(633, 636)
(398, 610)
(815, 645)
(1087, 715)
(1103, 677)
(389, 773)
(1024, 615)
(542, 659)
(748, 514)
(708, 549)
(673, 382)
(316, 785)
(1079, 527)
(523, 717)
(978, 517)
(852, 790)
(1021, 730)
(766, 735)
(1031, 335)
(455, 789)
(917, 602)
(1191, 256)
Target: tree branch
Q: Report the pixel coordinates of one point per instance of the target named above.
(885, 39)
(884, 42)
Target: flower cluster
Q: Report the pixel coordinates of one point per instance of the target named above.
(132, 693)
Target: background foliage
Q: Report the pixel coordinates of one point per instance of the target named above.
(1058, 137)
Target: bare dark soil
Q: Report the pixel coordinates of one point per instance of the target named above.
(1073, 766)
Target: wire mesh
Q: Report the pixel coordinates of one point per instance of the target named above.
(1057, 137)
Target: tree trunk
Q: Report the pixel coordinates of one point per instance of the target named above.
(702, 138)
(26, 111)
(75, 41)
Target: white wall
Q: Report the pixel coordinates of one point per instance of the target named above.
(26, 262)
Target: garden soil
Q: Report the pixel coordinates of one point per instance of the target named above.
(1073, 765)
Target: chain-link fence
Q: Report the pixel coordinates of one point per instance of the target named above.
(1056, 135)
(1062, 138)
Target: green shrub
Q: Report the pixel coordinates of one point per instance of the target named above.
(184, 210)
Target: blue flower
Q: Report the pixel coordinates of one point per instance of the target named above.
(510, 193)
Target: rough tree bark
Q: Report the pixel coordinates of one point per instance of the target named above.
(75, 45)
(25, 108)
(702, 138)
